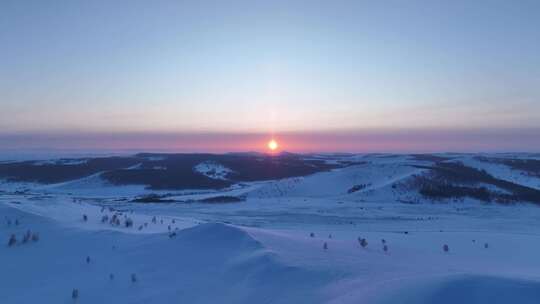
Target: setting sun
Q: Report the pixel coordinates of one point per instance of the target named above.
(272, 145)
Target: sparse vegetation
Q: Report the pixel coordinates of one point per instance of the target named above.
(27, 237)
(75, 294)
(223, 199)
(357, 188)
(363, 242)
(12, 240)
(453, 180)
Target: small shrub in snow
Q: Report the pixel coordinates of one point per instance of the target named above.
(145, 225)
(75, 294)
(85, 217)
(486, 245)
(172, 234)
(12, 240)
(140, 227)
(330, 236)
(169, 227)
(114, 218)
(383, 241)
(312, 234)
(154, 220)
(445, 248)
(27, 236)
(88, 260)
(173, 221)
(129, 222)
(16, 222)
(161, 221)
(363, 242)
(385, 248)
(133, 278)
(35, 237)
(111, 276)
(325, 246)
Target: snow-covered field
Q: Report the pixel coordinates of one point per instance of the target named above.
(295, 240)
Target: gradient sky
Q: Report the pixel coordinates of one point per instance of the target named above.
(227, 75)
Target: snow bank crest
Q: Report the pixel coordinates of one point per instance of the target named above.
(222, 236)
(213, 170)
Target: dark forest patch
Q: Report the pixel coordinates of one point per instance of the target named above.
(455, 180)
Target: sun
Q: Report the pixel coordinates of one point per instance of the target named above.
(272, 145)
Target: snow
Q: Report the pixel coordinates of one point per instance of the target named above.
(64, 162)
(503, 172)
(212, 170)
(260, 250)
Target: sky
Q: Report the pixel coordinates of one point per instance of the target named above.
(218, 76)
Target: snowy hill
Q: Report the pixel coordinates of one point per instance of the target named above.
(445, 228)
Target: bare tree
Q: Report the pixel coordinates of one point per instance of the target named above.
(12, 240)
(363, 243)
(27, 236)
(75, 294)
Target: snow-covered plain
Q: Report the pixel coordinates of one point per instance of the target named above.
(270, 247)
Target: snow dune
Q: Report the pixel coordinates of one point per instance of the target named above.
(208, 263)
